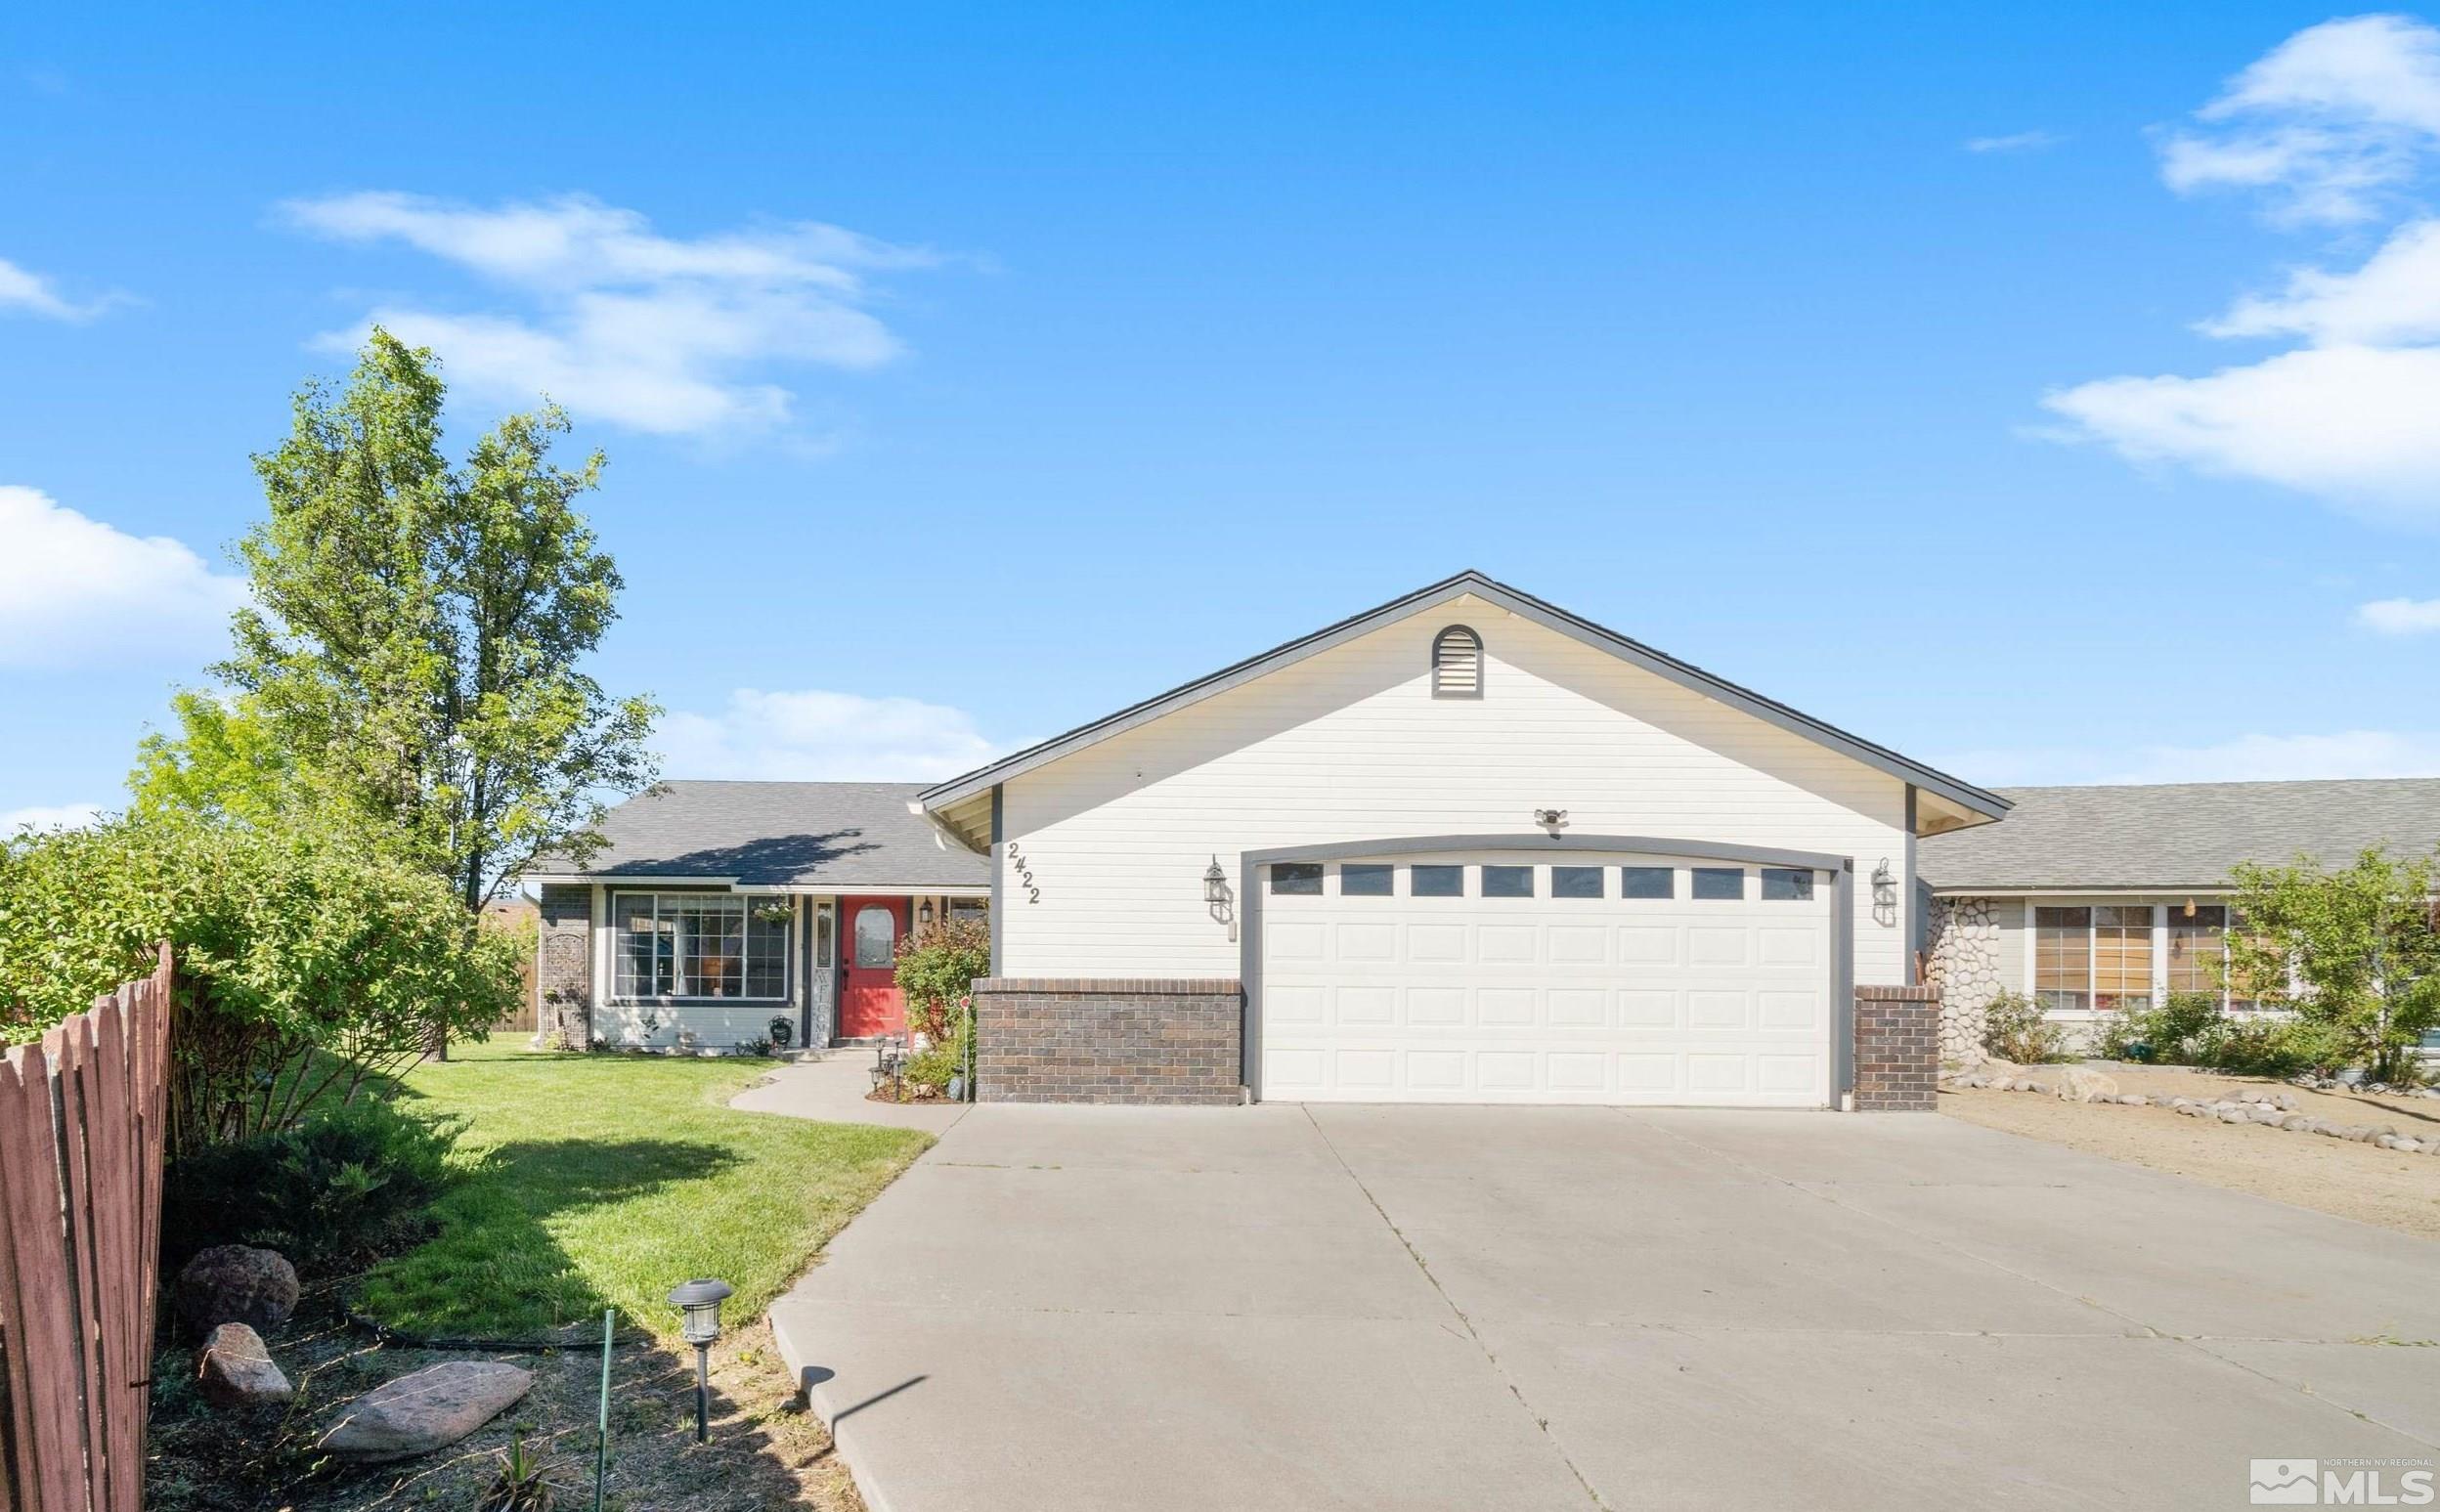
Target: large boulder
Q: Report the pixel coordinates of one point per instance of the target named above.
(418, 1414)
(233, 1283)
(234, 1369)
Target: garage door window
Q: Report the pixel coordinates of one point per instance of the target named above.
(1363, 881)
(1648, 882)
(1575, 882)
(1784, 885)
(1437, 882)
(1508, 882)
(1300, 879)
(1720, 882)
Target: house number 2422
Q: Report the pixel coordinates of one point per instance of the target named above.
(1025, 873)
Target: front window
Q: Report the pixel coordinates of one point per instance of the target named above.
(700, 945)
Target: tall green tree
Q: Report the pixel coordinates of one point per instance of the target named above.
(410, 661)
(2354, 951)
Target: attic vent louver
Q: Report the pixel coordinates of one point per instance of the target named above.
(1457, 664)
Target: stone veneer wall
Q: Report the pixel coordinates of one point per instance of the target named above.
(1897, 1058)
(1962, 961)
(1128, 1039)
(563, 966)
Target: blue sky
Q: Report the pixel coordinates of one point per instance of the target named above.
(2047, 392)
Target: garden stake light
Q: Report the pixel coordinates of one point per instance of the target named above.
(699, 1304)
(601, 1442)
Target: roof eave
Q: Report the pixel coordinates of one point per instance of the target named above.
(1550, 616)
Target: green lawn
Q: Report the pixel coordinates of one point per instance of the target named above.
(602, 1180)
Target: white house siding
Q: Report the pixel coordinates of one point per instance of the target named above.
(1349, 744)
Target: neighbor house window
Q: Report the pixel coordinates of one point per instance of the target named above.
(2198, 947)
(977, 909)
(1720, 882)
(1575, 882)
(2098, 957)
(699, 945)
(1364, 880)
(1436, 882)
(1508, 882)
(1648, 882)
(1301, 879)
(2062, 957)
(2123, 956)
(1457, 664)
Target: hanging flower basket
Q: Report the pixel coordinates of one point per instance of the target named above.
(774, 913)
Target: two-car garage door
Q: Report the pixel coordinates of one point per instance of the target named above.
(1510, 977)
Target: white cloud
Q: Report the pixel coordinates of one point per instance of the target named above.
(75, 591)
(2400, 615)
(815, 733)
(51, 816)
(2256, 757)
(2326, 123)
(2360, 424)
(655, 334)
(2015, 142)
(21, 288)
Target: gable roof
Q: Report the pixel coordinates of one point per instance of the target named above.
(1517, 602)
(2177, 835)
(843, 835)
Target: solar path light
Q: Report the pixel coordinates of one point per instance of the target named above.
(699, 1308)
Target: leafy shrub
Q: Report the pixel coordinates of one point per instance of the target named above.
(346, 1183)
(947, 1055)
(937, 968)
(307, 964)
(753, 1047)
(2015, 1027)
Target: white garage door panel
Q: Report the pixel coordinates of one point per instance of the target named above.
(1546, 999)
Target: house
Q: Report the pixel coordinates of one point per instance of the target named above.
(2094, 899)
(711, 908)
(1464, 847)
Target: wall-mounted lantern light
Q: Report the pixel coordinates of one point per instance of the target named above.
(1215, 883)
(699, 1323)
(922, 914)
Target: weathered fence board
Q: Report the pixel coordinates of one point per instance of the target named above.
(82, 1123)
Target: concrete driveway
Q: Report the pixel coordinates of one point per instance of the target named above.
(1279, 1307)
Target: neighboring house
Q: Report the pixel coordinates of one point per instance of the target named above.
(714, 907)
(2097, 899)
(1466, 846)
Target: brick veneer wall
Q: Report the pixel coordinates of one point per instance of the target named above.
(563, 966)
(1134, 1040)
(1898, 1048)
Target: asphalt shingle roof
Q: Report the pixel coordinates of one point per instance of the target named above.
(780, 834)
(2178, 834)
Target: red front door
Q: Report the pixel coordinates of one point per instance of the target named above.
(869, 1001)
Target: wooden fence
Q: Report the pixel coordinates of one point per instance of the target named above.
(81, 1122)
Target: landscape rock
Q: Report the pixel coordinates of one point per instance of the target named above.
(234, 1369)
(2080, 1084)
(420, 1413)
(234, 1283)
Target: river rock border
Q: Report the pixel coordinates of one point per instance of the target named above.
(2277, 1110)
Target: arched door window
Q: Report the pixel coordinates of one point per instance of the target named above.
(876, 937)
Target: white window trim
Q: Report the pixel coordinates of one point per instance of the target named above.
(2092, 959)
(611, 996)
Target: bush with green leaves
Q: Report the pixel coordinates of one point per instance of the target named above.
(937, 968)
(346, 1183)
(2354, 951)
(306, 964)
(2016, 1027)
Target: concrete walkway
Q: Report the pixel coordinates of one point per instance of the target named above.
(1478, 1307)
(831, 1086)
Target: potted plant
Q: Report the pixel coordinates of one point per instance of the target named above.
(783, 1029)
(778, 911)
